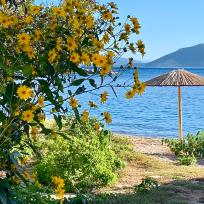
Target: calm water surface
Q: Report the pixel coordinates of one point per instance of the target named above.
(155, 113)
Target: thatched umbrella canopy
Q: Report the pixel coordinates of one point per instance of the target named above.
(177, 78)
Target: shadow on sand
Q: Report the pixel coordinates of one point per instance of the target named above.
(176, 192)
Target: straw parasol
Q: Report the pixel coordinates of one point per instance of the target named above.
(177, 78)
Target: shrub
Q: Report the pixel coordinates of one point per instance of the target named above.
(85, 160)
(32, 194)
(45, 52)
(147, 184)
(188, 160)
(192, 145)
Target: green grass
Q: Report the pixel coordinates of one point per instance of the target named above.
(124, 148)
(166, 194)
(152, 166)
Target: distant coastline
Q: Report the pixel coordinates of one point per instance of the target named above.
(188, 57)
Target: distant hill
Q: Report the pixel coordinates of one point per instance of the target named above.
(124, 61)
(185, 57)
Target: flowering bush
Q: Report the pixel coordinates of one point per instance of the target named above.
(45, 51)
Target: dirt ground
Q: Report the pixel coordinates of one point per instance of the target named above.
(157, 161)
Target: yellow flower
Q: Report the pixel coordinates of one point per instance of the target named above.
(33, 107)
(141, 47)
(59, 190)
(13, 167)
(32, 93)
(58, 181)
(85, 59)
(9, 78)
(130, 94)
(94, 58)
(139, 88)
(27, 116)
(71, 44)
(107, 117)
(41, 101)
(136, 77)
(28, 19)
(35, 9)
(15, 179)
(107, 15)
(23, 92)
(134, 21)
(106, 38)
(101, 61)
(96, 126)
(3, 2)
(92, 104)
(53, 25)
(104, 97)
(52, 55)
(85, 115)
(60, 193)
(59, 44)
(23, 39)
(38, 33)
(29, 51)
(75, 23)
(41, 117)
(58, 12)
(14, 20)
(17, 113)
(23, 160)
(74, 58)
(73, 102)
(34, 176)
(130, 63)
(99, 44)
(127, 28)
(34, 132)
(5, 21)
(34, 72)
(26, 175)
(132, 48)
(105, 70)
(136, 25)
(89, 21)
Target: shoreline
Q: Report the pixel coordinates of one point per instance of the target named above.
(143, 136)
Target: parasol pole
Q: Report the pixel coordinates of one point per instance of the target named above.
(180, 114)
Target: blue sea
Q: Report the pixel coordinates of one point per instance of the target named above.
(155, 113)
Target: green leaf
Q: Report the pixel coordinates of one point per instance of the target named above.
(4, 67)
(85, 41)
(45, 130)
(60, 99)
(93, 83)
(2, 116)
(59, 83)
(80, 71)
(58, 120)
(51, 69)
(46, 90)
(69, 92)
(27, 70)
(77, 82)
(80, 90)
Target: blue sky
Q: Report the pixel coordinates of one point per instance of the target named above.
(167, 25)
